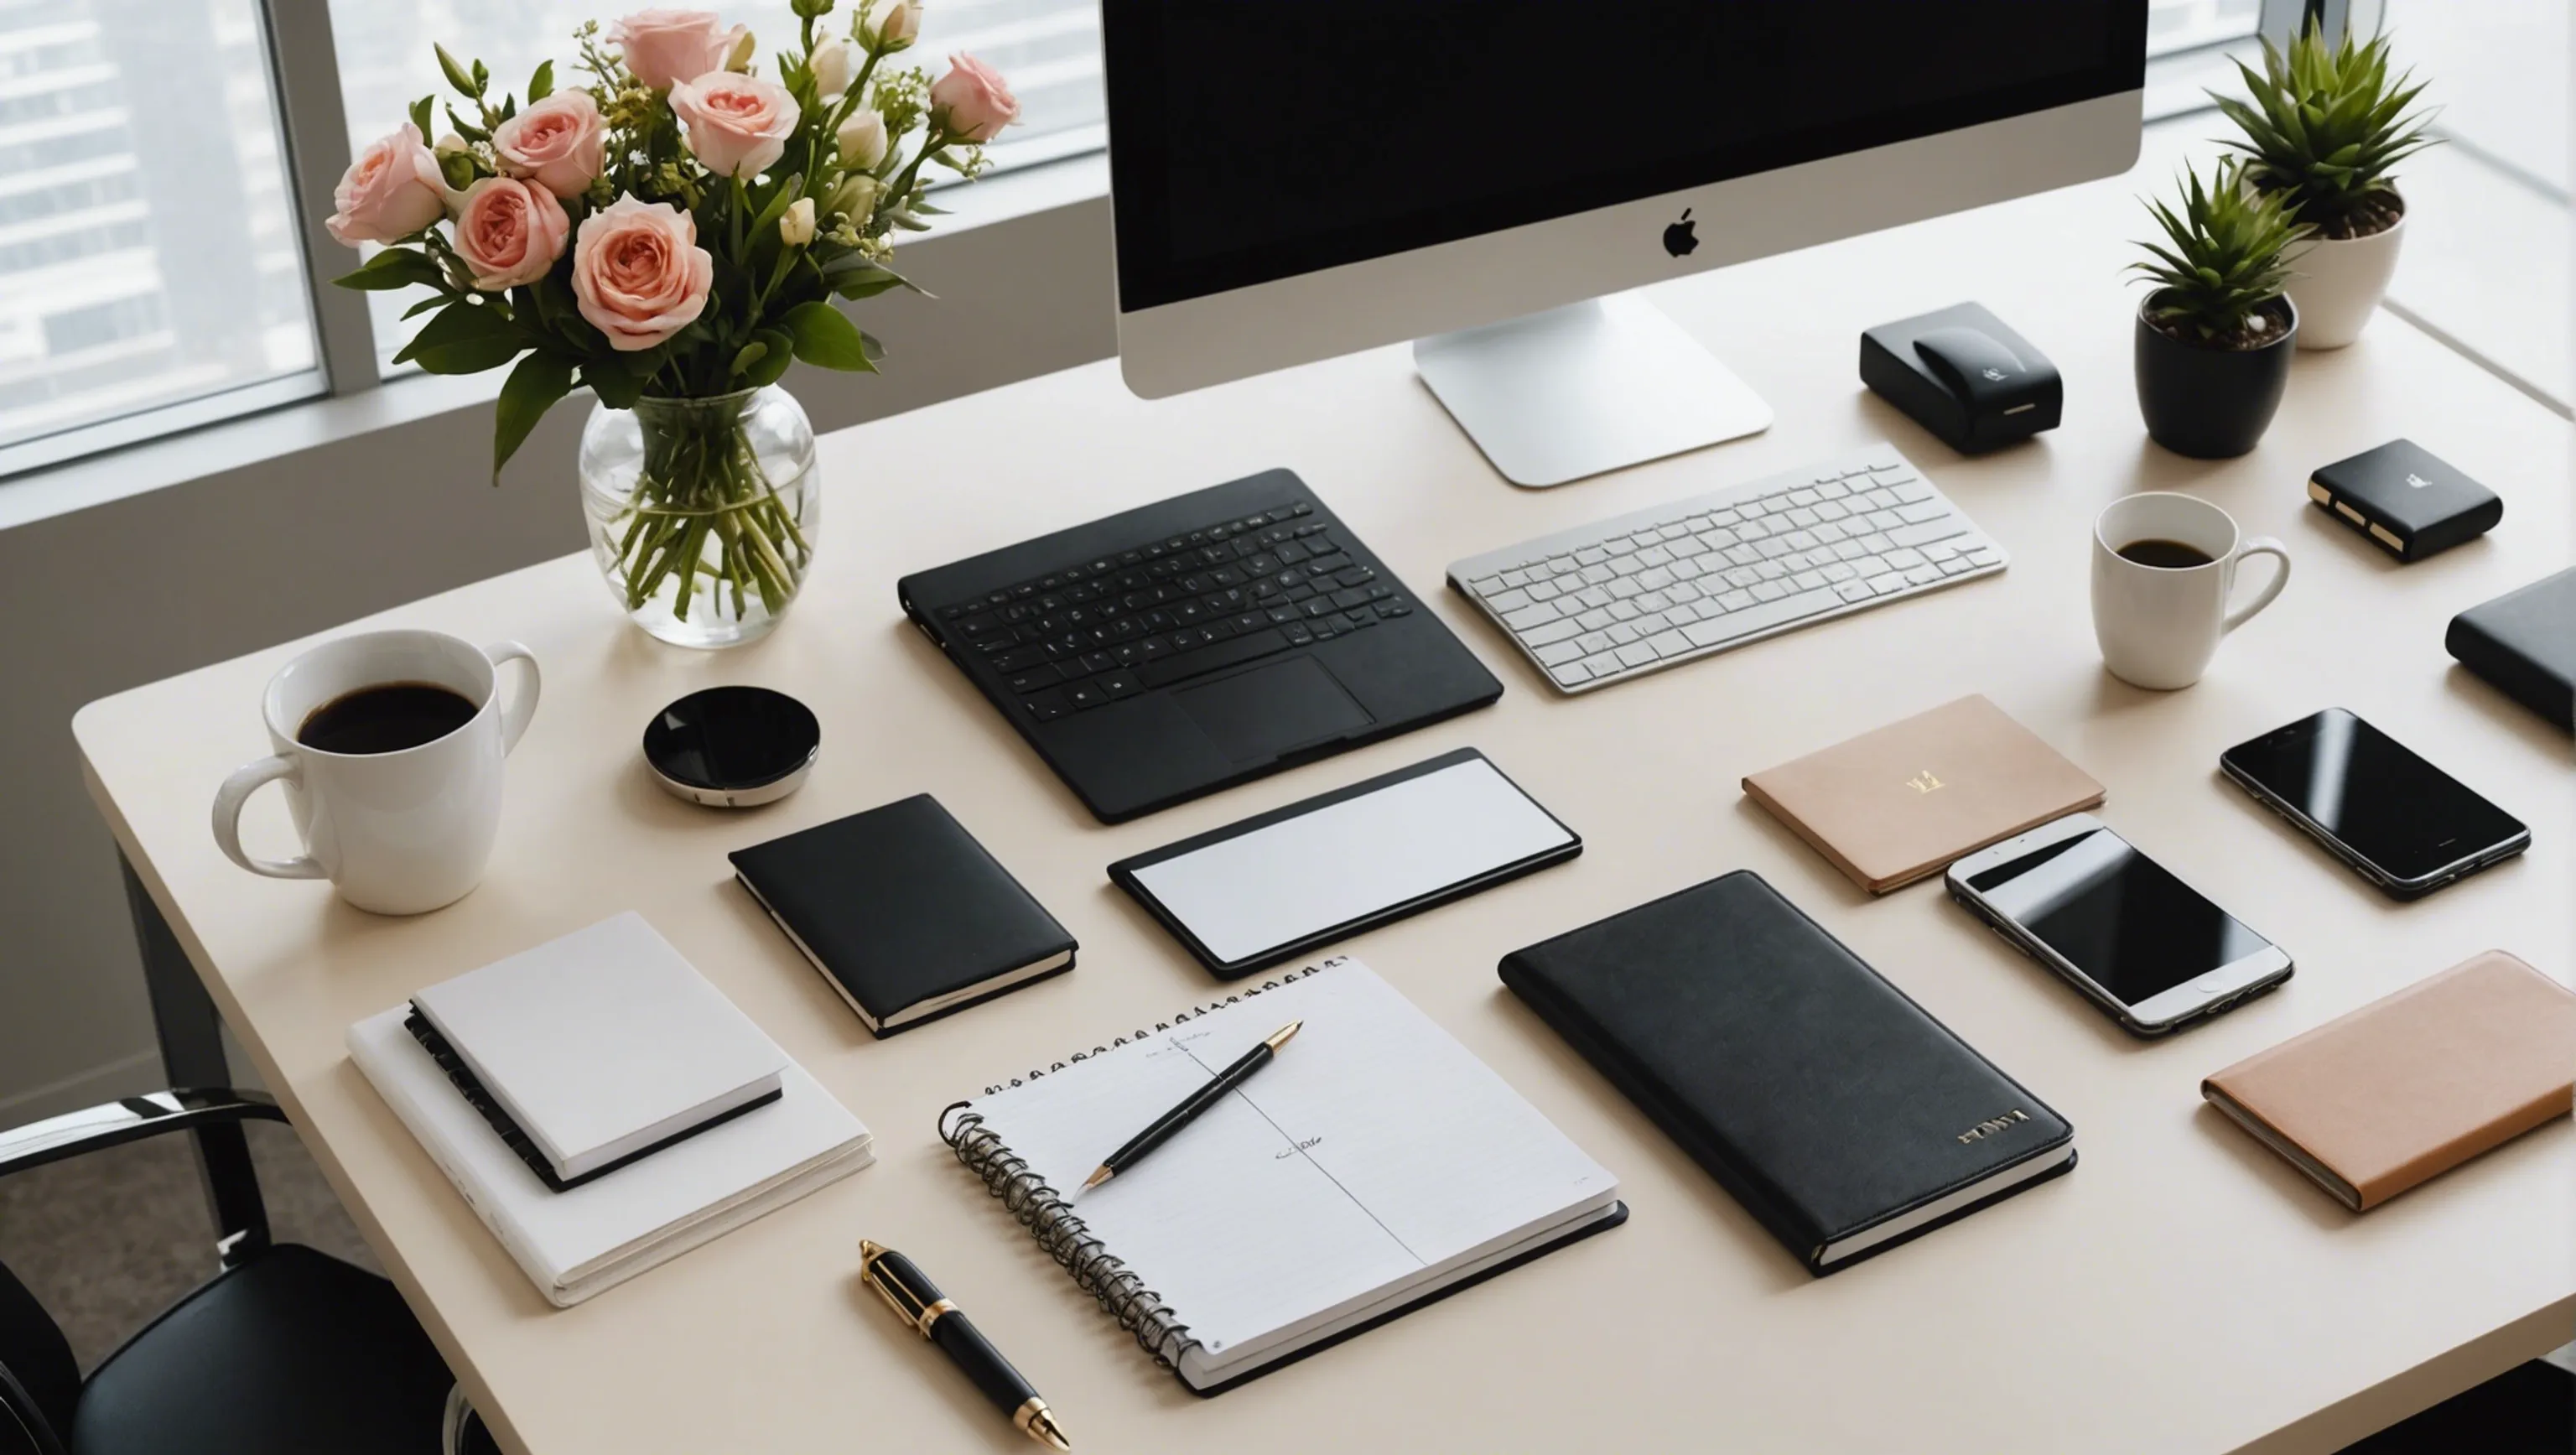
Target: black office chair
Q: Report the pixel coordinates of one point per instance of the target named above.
(286, 1352)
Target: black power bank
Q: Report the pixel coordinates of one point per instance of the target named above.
(1962, 374)
(2407, 499)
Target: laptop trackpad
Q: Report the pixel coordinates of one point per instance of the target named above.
(1260, 714)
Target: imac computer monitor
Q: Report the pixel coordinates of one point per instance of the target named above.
(1489, 178)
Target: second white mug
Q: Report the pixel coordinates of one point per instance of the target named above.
(2159, 624)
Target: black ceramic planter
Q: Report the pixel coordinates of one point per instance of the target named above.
(2210, 404)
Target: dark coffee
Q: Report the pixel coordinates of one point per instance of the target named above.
(2166, 555)
(386, 718)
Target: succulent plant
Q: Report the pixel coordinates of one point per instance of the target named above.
(2325, 125)
(2220, 265)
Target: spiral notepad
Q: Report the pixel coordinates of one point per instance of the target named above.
(1377, 1165)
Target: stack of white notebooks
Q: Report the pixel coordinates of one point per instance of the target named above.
(602, 1107)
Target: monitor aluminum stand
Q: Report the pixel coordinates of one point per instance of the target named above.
(1585, 389)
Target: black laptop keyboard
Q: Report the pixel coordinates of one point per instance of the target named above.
(1168, 610)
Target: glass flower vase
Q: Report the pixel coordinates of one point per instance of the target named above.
(703, 512)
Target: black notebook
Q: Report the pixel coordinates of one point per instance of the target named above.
(2524, 642)
(1837, 1111)
(904, 913)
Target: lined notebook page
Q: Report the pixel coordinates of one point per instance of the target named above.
(1375, 1154)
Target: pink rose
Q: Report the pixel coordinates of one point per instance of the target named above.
(509, 232)
(638, 273)
(556, 143)
(972, 102)
(665, 47)
(738, 125)
(391, 191)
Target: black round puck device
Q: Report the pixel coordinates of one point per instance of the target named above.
(733, 747)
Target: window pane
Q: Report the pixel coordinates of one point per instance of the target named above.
(147, 252)
(1049, 49)
(2175, 25)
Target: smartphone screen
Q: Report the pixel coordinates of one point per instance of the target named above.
(2373, 794)
(2115, 914)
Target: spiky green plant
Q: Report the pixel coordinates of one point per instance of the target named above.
(2325, 125)
(2220, 265)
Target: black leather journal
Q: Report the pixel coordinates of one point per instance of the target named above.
(1836, 1111)
(904, 913)
(2525, 643)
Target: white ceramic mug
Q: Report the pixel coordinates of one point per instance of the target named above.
(401, 832)
(2160, 625)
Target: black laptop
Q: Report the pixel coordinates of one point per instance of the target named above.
(1193, 644)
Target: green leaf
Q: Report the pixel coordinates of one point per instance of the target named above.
(465, 338)
(746, 356)
(457, 76)
(826, 338)
(778, 352)
(526, 395)
(615, 387)
(465, 128)
(393, 268)
(435, 300)
(542, 84)
(482, 78)
(422, 116)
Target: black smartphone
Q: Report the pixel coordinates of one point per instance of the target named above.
(2409, 827)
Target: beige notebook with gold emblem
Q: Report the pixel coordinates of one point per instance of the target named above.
(2412, 1084)
(1891, 806)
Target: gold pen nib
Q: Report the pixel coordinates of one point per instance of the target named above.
(1280, 1037)
(1040, 1424)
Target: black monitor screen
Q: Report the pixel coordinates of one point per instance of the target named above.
(1257, 139)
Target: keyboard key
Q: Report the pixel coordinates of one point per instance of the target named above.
(1956, 564)
(1602, 664)
(1554, 631)
(1757, 618)
(1887, 582)
(1735, 600)
(1120, 684)
(1670, 644)
(1047, 706)
(1854, 590)
(1940, 527)
(1508, 601)
(1923, 575)
(1921, 511)
(1903, 557)
(1558, 653)
(1569, 674)
(1637, 654)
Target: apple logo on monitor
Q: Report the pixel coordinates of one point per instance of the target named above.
(1682, 236)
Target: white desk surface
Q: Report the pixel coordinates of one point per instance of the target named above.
(2183, 1291)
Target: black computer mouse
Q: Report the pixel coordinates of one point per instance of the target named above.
(1978, 369)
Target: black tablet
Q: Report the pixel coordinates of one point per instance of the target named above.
(1271, 888)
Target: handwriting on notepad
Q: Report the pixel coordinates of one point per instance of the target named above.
(1295, 1148)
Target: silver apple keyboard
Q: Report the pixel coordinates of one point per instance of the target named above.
(1622, 597)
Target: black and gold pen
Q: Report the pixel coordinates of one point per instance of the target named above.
(911, 1294)
(1190, 1109)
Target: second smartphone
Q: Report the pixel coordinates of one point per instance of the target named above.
(2407, 826)
(2144, 946)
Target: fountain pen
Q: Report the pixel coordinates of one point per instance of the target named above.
(917, 1301)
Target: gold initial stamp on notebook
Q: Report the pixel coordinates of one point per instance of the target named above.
(1925, 783)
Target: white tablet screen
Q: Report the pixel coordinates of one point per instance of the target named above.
(1343, 862)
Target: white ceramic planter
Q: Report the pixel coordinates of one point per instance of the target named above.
(2337, 283)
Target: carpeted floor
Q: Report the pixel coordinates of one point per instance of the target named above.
(107, 1241)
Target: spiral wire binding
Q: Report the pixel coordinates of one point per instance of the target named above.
(1061, 1232)
(1058, 1229)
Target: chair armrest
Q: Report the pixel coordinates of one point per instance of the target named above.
(130, 1120)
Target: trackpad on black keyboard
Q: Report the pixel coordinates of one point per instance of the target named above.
(1260, 714)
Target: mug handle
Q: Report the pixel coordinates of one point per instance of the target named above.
(2260, 546)
(514, 718)
(229, 799)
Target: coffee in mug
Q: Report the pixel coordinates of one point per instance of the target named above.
(389, 748)
(2164, 568)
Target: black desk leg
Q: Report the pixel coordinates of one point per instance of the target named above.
(192, 1054)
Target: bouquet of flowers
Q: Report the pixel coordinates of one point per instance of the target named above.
(672, 229)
